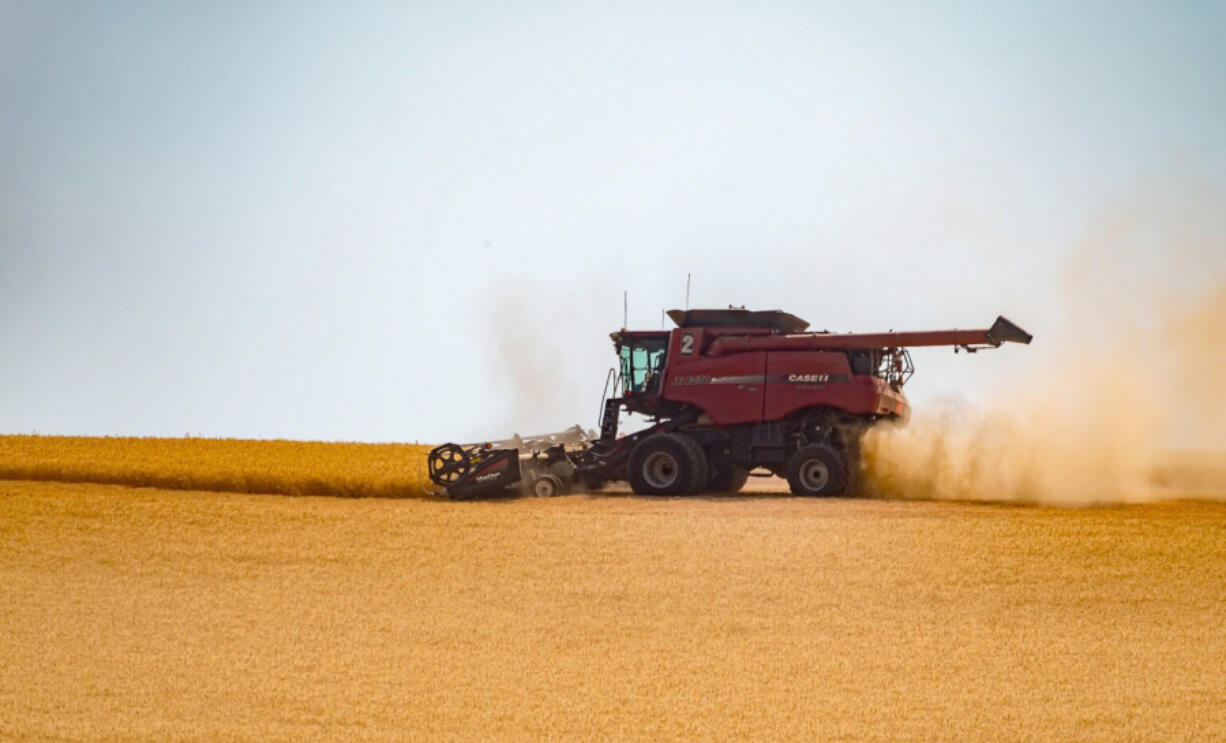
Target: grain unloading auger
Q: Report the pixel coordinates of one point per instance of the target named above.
(727, 391)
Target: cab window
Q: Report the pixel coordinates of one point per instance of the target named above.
(642, 365)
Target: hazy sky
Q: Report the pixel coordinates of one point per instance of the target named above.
(415, 221)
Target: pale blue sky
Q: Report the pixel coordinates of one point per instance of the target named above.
(415, 221)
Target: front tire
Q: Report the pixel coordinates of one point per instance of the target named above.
(817, 470)
(667, 464)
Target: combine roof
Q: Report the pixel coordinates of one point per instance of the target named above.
(784, 322)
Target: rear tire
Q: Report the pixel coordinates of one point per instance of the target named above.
(667, 464)
(817, 470)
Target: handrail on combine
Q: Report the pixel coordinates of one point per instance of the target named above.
(610, 378)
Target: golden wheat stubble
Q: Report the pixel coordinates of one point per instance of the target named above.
(145, 614)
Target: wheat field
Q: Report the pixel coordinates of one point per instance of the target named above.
(146, 614)
(231, 465)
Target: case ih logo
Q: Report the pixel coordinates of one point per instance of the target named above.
(702, 379)
(808, 377)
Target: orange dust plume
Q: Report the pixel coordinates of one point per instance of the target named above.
(1112, 398)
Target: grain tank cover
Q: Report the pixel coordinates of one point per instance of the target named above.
(784, 322)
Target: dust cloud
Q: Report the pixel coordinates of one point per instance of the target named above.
(528, 330)
(1124, 379)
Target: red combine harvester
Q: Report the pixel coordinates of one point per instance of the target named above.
(728, 391)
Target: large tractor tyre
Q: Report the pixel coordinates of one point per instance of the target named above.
(667, 464)
(817, 470)
(726, 478)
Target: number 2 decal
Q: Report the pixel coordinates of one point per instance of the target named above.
(687, 344)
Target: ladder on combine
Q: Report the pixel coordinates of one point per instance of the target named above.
(610, 408)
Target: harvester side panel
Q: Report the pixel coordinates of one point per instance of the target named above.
(728, 389)
(752, 387)
(800, 379)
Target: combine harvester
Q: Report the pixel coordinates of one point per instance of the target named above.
(727, 391)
